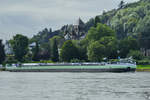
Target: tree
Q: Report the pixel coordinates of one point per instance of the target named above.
(135, 54)
(45, 51)
(55, 55)
(59, 40)
(143, 29)
(126, 45)
(94, 34)
(89, 24)
(96, 21)
(121, 4)
(43, 36)
(69, 51)
(81, 45)
(19, 44)
(119, 28)
(2, 52)
(102, 42)
(110, 44)
(35, 52)
(95, 51)
(82, 48)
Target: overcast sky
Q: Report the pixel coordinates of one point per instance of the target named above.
(30, 16)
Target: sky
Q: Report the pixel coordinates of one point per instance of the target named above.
(28, 17)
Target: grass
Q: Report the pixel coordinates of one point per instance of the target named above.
(143, 66)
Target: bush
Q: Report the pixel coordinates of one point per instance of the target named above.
(143, 62)
(76, 61)
(42, 61)
(10, 60)
(135, 54)
(114, 60)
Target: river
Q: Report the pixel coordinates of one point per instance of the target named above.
(74, 86)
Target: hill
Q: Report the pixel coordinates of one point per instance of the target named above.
(69, 32)
(127, 21)
(131, 19)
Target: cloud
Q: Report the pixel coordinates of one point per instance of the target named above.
(30, 16)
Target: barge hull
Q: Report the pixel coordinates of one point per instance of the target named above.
(117, 70)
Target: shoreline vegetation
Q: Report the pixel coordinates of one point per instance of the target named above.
(143, 68)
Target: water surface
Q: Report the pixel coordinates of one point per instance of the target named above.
(74, 86)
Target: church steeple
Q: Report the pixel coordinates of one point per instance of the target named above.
(80, 22)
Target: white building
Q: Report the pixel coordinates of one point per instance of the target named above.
(8, 48)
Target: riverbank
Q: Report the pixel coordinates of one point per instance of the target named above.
(143, 68)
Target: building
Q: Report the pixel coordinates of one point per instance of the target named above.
(145, 52)
(74, 31)
(8, 48)
(32, 45)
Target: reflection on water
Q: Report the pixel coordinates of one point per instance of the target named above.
(74, 86)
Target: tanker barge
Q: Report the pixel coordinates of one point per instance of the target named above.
(73, 67)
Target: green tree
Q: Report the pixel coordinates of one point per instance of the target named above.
(143, 29)
(95, 51)
(2, 53)
(81, 45)
(69, 51)
(43, 36)
(45, 51)
(135, 54)
(10, 59)
(19, 44)
(96, 21)
(55, 55)
(126, 45)
(101, 30)
(35, 52)
(110, 44)
(82, 48)
(59, 39)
